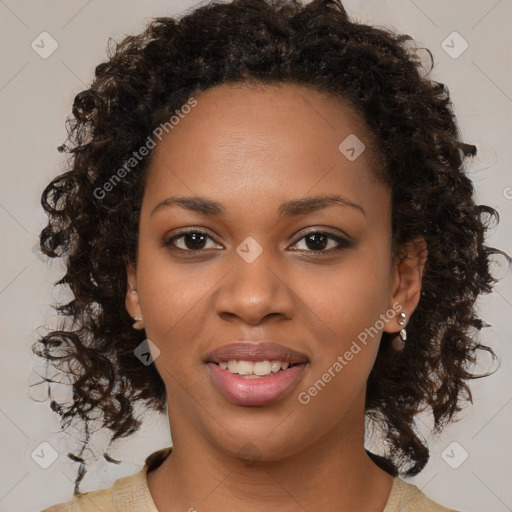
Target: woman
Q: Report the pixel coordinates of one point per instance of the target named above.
(270, 236)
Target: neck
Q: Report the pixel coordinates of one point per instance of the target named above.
(323, 476)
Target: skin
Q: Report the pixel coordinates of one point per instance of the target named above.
(251, 149)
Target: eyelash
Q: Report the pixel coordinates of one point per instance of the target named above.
(343, 244)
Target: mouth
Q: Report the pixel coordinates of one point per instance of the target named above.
(255, 374)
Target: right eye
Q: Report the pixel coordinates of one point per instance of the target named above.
(191, 241)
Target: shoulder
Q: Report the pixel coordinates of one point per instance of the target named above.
(125, 494)
(128, 494)
(406, 497)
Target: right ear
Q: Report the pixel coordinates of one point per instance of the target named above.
(132, 297)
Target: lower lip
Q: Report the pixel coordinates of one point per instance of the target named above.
(258, 390)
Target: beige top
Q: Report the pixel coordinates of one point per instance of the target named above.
(131, 494)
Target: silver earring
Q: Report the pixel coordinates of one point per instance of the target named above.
(138, 323)
(399, 340)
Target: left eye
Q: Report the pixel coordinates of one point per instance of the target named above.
(195, 241)
(320, 241)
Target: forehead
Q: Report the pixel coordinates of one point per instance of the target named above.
(240, 138)
(244, 115)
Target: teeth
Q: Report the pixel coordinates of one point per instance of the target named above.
(258, 368)
(261, 368)
(275, 365)
(245, 367)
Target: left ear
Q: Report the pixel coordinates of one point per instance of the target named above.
(408, 273)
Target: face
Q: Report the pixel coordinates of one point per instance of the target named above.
(262, 259)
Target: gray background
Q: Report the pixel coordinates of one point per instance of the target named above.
(36, 95)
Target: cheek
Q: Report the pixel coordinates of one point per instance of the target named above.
(352, 303)
(173, 300)
(350, 297)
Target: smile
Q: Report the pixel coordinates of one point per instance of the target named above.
(251, 389)
(255, 374)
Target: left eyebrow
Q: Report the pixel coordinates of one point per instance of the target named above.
(307, 205)
(291, 208)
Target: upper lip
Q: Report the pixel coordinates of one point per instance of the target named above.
(256, 351)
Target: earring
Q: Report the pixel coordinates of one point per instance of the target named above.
(138, 323)
(93, 281)
(399, 340)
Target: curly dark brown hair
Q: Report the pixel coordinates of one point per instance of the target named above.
(150, 76)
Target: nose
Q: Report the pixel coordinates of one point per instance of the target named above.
(251, 292)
